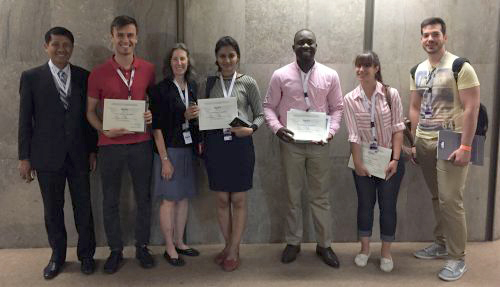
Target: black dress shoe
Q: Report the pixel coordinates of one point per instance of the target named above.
(51, 270)
(144, 256)
(88, 266)
(328, 256)
(290, 253)
(174, 261)
(188, 252)
(113, 262)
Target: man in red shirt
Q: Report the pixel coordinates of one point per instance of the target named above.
(123, 77)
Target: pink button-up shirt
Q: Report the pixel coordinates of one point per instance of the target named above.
(387, 120)
(285, 92)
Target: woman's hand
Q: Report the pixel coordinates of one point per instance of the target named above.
(391, 169)
(167, 169)
(242, 131)
(148, 117)
(360, 169)
(191, 112)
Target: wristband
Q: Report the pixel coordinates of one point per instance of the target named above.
(466, 147)
(395, 159)
(165, 157)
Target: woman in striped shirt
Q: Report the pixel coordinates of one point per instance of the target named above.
(374, 117)
(229, 153)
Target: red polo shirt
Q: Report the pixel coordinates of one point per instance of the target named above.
(105, 83)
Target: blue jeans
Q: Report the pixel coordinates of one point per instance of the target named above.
(368, 189)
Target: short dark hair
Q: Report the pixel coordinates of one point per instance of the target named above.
(59, 31)
(167, 67)
(300, 31)
(433, 21)
(123, 20)
(368, 59)
(227, 41)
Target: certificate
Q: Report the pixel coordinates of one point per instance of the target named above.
(124, 114)
(308, 126)
(217, 113)
(375, 162)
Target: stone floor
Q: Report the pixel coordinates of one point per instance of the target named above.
(260, 267)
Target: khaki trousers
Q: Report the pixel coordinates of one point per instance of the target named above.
(446, 183)
(310, 161)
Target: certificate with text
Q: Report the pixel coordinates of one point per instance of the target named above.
(308, 126)
(375, 162)
(217, 113)
(124, 114)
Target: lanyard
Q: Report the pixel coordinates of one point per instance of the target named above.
(428, 84)
(226, 93)
(127, 83)
(305, 80)
(372, 113)
(185, 99)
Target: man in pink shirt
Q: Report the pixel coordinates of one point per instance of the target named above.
(308, 86)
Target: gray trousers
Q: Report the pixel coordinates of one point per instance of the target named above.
(139, 159)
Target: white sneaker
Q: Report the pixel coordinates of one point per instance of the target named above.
(433, 251)
(386, 264)
(453, 270)
(361, 259)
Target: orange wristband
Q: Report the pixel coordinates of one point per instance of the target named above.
(466, 147)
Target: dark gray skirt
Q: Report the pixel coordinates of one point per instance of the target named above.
(183, 182)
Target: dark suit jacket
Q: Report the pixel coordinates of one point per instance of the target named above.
(47, 132)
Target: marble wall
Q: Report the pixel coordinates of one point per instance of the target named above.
(264, 30)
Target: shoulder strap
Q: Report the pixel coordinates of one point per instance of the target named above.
(210, 84)
(388, 98)
(413, 70)
(457, 66)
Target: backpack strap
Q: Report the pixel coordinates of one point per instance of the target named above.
(413, 70)
(457, 66)
(210, 84)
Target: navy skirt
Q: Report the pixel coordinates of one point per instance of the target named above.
(229, 164)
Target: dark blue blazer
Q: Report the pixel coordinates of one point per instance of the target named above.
(48, 132)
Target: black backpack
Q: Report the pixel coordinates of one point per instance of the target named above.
(482, 117)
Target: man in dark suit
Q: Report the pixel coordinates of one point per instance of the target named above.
(56, 144)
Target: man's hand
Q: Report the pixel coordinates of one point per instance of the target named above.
(459, 157)
(167, 169)
(148, 117)
(191, 112)
(413, 157)
(92, 161)
(242, 131)
(25, 170)
(328, 139)
(285, 135)
(391, 169)
(113, 133)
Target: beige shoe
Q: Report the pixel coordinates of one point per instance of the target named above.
(386, 264)
(361, 259)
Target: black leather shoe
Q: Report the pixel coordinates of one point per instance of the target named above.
(174, 261)
(51, 270)
(188, 252)
(113, 263)
(328, 256)
(290, 253)
(144, 256)
(88, 266)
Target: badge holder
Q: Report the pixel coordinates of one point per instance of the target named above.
(373, 147)
(427, 112)
(227, 134)
(186, 133)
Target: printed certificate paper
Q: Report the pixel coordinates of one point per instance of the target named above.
(308, 126)
(217, 113)
(375, 162)
(124, 114)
